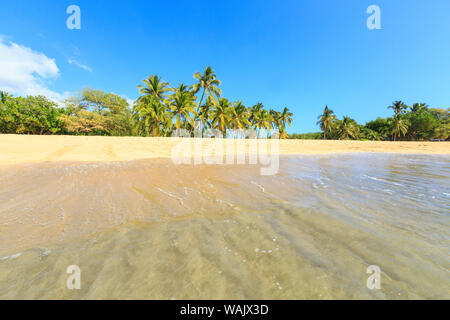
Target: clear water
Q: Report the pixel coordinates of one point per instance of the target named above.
(152, 230)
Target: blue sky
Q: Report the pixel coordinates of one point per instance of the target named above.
(302, 54)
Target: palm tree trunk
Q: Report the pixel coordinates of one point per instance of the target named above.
(177, 125)
(201, 99)
(199, 105)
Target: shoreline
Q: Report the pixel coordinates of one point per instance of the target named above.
(76, 199)
(122, 221)
(16, 149)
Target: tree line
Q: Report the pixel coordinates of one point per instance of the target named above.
(159, 111)
(416, 122)
(162, 109)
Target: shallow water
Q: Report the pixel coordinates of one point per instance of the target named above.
(152, 230)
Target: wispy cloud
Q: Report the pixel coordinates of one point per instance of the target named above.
(24, 71)
(80, 65)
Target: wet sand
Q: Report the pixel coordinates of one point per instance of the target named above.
(150, 229)
(47, 202)
(28, 148)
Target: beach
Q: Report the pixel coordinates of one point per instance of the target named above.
(140, 226)
(224, 151)
(35, 148)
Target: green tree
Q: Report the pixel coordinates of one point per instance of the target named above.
(182, 105)
(400, 126)
(275, 119)
(154, 86)
(204, 114)
(151, 117)
(348, 129)
(281, 119)
(382, 126)
(286, 117)
(399, 107)
(263, 121)
(369, 134)
(30, 115)
(442, 130)
(4, 96)
(419, 107)
(220, 115)
(84, 122)
(238, 116)
(254, 113)
(114, 112)
(210, 85)
(326, 120)
(422, 123)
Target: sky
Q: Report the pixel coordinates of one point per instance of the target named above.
(300, 54)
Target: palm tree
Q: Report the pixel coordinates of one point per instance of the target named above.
(4, 96)
(151, 116)
(283, 133)
(204, 114)
(276, 119)
(263, 121)
(398, 107)
(238, 116)
(348, 129)
(326, 121)
(182, 104)
(286, 117)
(374, 135)
(254, 113)
(400, 127)
(166, 125)
(220, 115)
(154, 86)
(210, 84)
(418, 107)
(281, 119)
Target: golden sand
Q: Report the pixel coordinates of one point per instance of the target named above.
(33, 148)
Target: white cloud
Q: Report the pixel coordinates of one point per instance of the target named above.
(25, 72)
(80, 65)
